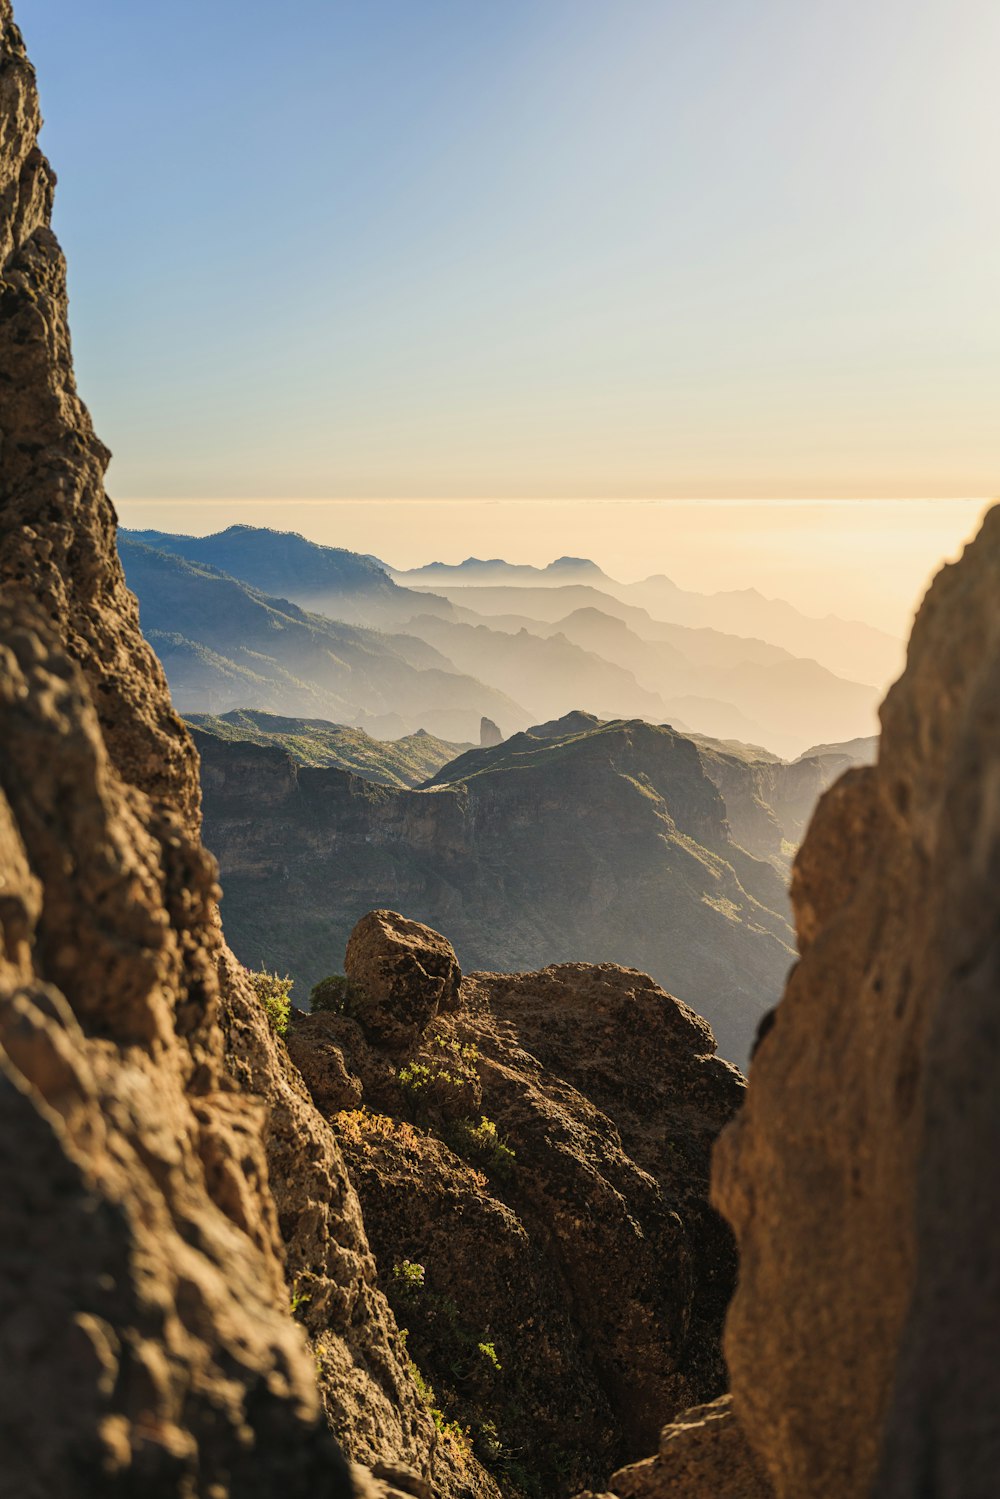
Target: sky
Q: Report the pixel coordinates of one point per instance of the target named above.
(558, 249)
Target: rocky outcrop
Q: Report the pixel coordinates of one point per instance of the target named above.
(489, 734)
(589, 841)
(407, 972)
(533, 1171)
(167, 1180)
(702, 1455)
(860, 1176)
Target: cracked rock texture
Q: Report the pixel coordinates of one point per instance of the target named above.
(861, 1176)
(538, 1155)
(166, 1176)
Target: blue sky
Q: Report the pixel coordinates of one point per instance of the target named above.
(604, 248)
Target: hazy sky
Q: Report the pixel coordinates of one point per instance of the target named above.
(859, 559)
(592, 248)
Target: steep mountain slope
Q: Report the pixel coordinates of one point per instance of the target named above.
(769, 801)
(314, 741)
(609, 844)
(224, 643)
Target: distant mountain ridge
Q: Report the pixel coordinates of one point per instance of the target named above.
(408, 761)
(848, 647)
(542, 646)
(284, 564)
(224, 643)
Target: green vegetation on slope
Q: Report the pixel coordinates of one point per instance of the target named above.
(315, 741)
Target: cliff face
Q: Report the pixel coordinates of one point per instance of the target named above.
(857, 1340)
(146, 1344)
(860, 1177)
(609, 844)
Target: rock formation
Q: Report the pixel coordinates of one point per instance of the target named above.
(860, 1177)
(489, 734)
(156, 1215)
(531, 1151)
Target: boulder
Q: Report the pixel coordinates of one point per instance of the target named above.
(407, 974)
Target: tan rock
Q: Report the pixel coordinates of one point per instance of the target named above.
(168, 1183)
(407, 973)
(703, 1455)
(541, 1161)
(861, 1177)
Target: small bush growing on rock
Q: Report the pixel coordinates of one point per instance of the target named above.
(337, 995)
(466, 1052)
(415, 1077)
(482, 1142)
(457, 1437)
(408, 1279)
(358, 1125)
(298, 1299)
(274, 994)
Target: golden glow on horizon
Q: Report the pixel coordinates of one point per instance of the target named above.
(862, 559)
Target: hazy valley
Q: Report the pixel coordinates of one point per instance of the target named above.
(642, 807)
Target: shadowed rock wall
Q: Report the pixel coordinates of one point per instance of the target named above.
(861, 1175)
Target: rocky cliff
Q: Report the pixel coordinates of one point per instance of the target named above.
(582, 841)
(860, 1176)
(166, 1177)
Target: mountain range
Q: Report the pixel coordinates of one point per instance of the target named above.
(225, 644)
(848, 647)
(514, 652)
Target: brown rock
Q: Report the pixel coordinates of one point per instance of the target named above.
(152, 1205)
(407, 973)
(861, 1176)
(570, 1235)
(703, 1455)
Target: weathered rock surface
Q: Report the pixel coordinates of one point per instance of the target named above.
(166, 1176)
(702, 1455)
(408, 973)
(569, 1234)
(860, 1176)
(489, 733)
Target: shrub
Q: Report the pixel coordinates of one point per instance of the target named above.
(274, 994)
(336, 994)
(482, 1142)
(408, 1279)
(457, 1437)
(466, 1053)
